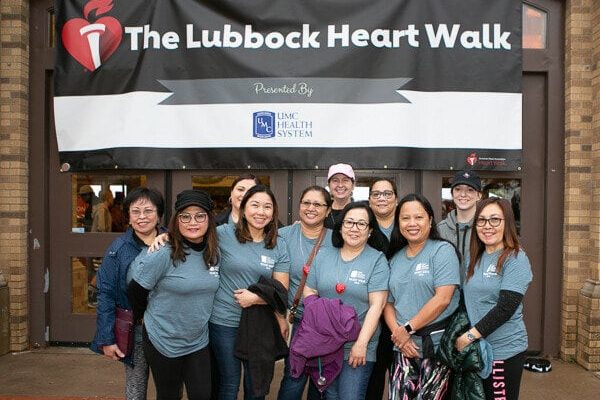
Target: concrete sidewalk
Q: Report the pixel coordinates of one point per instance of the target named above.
(77, 373)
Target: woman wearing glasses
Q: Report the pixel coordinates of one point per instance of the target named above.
(173, 290)
(249, 250)
(498, 276)
(315, 203)
(424, 276)
(355, 271)
(144, 209)
(383, 197)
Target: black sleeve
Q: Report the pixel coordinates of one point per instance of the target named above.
(508, 302)
(138, 298)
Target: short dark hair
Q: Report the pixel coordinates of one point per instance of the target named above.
(377, 239)
(316, 188)
(242, 232)
(388, 180)
(141, 192)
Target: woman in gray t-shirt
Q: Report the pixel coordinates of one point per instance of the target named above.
(355, 271)
(424, 276)
(173, 289)
(498, 276)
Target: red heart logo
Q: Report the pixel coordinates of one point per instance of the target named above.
(340, 288)
(78, 44)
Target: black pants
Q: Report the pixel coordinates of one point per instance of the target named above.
(505, 379)
(170, 374)
(385, 353)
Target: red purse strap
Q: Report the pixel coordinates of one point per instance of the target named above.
(312, 255)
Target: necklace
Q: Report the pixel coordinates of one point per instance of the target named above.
(340, 286)
(309, 241)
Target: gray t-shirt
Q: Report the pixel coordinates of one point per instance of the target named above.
(180, 300)
(299, 248)
(368, 272)
(413, 281)
(387, 231)
(242, 264)
(482, 291)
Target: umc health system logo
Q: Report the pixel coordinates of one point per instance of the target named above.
(92, 40)
(268, 124)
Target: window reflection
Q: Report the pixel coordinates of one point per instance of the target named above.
(505, 188)
(84, 293)
(534, 27)
(219, 187)
(98, 201)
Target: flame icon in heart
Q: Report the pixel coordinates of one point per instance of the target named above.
(92, 43)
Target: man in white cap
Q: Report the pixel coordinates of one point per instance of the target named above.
(340, 180)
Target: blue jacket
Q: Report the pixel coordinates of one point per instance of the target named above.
(111, 281)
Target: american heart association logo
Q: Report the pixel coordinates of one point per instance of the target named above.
(92, 43)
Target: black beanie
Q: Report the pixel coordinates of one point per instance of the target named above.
(193, 198)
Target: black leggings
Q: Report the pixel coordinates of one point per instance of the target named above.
(170, 374)
(505, 379)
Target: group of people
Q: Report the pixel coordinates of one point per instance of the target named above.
(371, 285)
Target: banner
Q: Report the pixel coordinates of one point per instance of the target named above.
(278, 84)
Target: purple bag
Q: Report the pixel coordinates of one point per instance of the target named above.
(124, 330)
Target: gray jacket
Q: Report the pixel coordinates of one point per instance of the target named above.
(461, 238)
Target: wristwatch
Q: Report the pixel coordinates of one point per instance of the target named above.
(409, 328)
(470, 337)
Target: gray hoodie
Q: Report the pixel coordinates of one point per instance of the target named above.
(460, 235)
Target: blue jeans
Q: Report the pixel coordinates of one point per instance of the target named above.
(222, 340)
(351, 383)
(293, 388)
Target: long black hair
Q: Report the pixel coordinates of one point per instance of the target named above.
(397, 241)
(377, 239)
(242, 232)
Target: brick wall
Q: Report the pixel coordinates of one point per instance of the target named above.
(581, 274)
(14, 136)
(581, 287)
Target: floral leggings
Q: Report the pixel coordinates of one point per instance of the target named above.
(416, 378)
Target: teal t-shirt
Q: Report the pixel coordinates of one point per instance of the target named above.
(368, 272)
(481, 294)
(242, 264)
(180, 299)
(299, 248)
(387, 231)
(413, 281)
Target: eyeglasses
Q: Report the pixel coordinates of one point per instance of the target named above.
(307, 204)
(138, 213)
(360, 225)
(186, 218)
(494, 222)
(386, 194)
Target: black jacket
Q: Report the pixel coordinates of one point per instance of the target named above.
(466, 383)
(259, 339)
